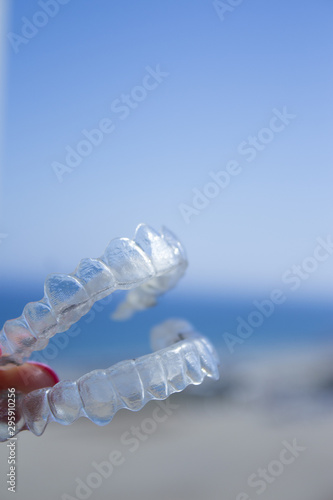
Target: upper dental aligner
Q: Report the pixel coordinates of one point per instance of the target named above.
(151, 263)
(185, 358)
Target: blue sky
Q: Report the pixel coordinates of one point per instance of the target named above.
(221, 82)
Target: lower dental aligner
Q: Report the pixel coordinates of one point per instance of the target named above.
(184, 357)
(148, 266)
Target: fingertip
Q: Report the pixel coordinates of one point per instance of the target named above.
(27, 377)
(47, 370)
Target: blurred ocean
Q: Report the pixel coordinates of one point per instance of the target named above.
(291, 322)
(285, 364)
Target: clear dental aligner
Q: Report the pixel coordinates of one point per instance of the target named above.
(148, 266)
(184, 357)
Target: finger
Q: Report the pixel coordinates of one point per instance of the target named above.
(27, 377)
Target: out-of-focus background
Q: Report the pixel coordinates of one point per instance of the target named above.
(215, 119)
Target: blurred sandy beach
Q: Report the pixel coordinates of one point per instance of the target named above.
(194, 454)
(233, 440)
